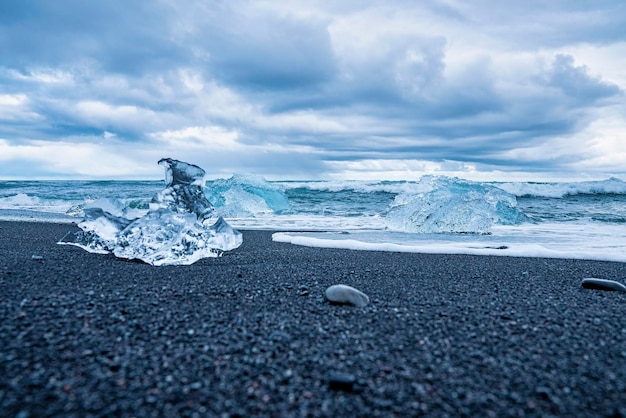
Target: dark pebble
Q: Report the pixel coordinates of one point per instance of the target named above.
(603, 284)
(341, 381)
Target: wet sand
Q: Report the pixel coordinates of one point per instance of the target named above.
(250, 333)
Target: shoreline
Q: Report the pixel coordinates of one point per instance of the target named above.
(21, 215)
(501, 245)
(250, 333)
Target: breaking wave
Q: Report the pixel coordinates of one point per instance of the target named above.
(612, 186)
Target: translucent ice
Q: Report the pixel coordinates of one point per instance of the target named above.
(246, 195)
(452, 205)
(180, 227)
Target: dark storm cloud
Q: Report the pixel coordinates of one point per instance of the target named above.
(267, 53)
(118, 36)
(575, 81)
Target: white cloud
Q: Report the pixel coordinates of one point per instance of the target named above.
(16, 107)
(307, 122)
(71, 159)
(101, 112)
(205, 137)
(382, 169)
(603, 149)
(43, 75)
(609, 60)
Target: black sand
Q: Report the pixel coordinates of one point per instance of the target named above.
(250, 334)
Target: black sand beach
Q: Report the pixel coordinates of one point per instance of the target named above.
(250, 334)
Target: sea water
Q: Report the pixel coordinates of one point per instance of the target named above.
(584, 220)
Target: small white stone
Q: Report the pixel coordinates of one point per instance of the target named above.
(603, 284)
(341, 293)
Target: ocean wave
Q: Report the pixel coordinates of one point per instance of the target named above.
(611, 186)
(25, 201)
(357, 186)
(250, 196)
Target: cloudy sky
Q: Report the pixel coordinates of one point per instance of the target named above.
(328, 89)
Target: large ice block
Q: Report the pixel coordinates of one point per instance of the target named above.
(246, 195)
(452, 206)
(180, 228)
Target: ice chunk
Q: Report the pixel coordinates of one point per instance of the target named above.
(164, 237)
(107, 204)
(183, 192)
(180, 227)
(452, 205)
(246, 195)
(99, 231)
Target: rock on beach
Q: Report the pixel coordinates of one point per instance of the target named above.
(603, 284)
(344, 294)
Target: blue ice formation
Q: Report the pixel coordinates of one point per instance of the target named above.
(180, 227)
(445, 205)
(246, 195)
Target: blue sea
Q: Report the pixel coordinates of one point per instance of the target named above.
(578, 220)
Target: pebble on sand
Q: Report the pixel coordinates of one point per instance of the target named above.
(603, 284)
(341, 293)
(341, 381)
